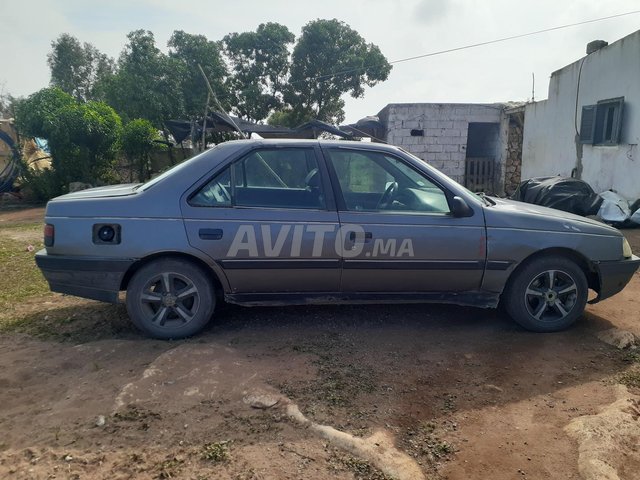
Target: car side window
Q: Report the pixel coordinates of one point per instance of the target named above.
(216, 193)
(279, 178)
(268, 178)
(373, 181)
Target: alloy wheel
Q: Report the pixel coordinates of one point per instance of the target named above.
(551, 295)
(170, 299)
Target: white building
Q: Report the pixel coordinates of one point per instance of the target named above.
(589, 126)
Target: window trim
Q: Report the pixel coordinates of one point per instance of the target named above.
(594, 118)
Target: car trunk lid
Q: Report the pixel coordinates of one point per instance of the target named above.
(101, 192)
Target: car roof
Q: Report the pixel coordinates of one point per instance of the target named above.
(321, 143)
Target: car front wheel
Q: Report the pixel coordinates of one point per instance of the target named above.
(170, 298)
(547, 294)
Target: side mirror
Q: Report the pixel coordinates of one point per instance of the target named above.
(459, 208)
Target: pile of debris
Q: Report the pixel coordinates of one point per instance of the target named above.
(619, 211)
(218, 122)
(9, 155)
(576, 196)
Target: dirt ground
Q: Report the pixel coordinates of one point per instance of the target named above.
(456, 393)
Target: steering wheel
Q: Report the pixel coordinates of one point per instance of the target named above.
(217, 195)
(224, 194)
(387, 196)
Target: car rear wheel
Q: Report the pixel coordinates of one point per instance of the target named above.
(170, 298)
(547, 294)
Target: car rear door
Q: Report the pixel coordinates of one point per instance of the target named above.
(268, 220)
(407, 243)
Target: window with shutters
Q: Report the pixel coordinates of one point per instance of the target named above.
(601, 124)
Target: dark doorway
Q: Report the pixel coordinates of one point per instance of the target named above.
(482, 150)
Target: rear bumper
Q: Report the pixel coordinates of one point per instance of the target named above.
(614, 276)
(88, 277)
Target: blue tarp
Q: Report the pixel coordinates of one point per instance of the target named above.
(42, 144)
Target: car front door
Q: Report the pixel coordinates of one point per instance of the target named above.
(397, 229)
(267, 220)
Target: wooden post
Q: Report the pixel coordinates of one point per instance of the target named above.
(204, 123)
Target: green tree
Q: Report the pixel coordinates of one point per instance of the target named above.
(189, 51)
(260, 66)
(84, 142)
(147, 82)
(331, 59)
(77, 68)
(137, 143)
(83, 137)
(36, 116)
(290, 117)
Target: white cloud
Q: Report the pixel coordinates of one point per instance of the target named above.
(431, 11)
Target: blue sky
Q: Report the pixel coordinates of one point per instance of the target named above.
(493, 73)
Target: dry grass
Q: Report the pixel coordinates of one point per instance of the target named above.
(19, 277)
(630, 378)
(27, 306)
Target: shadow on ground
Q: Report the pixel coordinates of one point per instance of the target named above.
(79, 321)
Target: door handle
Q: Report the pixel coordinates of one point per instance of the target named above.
(210, 233)
(367, 236)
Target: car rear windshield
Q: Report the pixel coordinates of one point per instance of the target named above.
(171, 171)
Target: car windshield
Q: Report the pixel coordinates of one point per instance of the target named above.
(480, 196)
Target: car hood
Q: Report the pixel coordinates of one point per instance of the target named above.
(100, 192)
(514, 214)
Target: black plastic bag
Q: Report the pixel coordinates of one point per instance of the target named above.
(562, 193)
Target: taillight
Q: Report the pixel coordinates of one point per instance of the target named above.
(49, 235)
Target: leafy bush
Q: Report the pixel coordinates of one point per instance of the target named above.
(36, 115)
(84, 139)
(41, 184)
(137, 143)
(84, 142)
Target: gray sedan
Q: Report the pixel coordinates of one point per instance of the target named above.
(259, 222)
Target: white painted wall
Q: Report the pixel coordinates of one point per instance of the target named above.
(549, 146)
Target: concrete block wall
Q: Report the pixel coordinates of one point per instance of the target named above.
(445, 127)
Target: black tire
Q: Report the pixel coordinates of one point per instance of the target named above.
(170, 298)
(546, 294)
